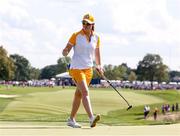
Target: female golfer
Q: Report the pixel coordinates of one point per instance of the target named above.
(85, 44)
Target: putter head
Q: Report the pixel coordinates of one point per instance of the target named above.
(129, 107)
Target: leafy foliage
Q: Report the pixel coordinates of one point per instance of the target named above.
(22, 65)
(62, 65)
(6, 65)
(48, 72)
(132, 76)
(52, 70)
(116, 72)
(152, 68)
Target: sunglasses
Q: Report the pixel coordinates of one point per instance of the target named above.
(86, 23)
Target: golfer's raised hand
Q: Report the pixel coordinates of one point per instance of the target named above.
(100, 70)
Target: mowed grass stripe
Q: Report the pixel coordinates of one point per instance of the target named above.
(36, 107)
(59, 102)
(105, 101)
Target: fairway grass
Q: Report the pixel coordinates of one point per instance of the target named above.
(54, 105)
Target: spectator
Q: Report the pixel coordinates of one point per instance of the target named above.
(168, 108)
(163, 109)
(146, 111)
(63, 84)
(155, 113)
(173, 108)
(177, 107)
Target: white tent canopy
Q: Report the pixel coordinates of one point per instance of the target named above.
(63, 75)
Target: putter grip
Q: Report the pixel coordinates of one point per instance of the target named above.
(99, 73)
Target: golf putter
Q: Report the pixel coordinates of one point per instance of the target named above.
(103, 77)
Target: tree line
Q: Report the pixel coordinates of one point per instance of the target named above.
(151, 68)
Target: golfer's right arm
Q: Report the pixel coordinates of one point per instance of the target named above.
(67, 49)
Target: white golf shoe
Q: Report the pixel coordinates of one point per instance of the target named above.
(94, 120)
(73, 123)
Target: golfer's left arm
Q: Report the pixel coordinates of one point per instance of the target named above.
(67, 49)
(98, 59)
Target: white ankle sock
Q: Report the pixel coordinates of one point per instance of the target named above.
(91, 119)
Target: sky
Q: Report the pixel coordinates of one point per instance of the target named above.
(128, 29)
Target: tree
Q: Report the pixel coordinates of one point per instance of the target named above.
(48, 72)
(22, 67)
(62, 65)
(132, 76)
(152, 68)
(108, 71)
(34, 73)
(115, 72)
(123, 71)
(6, 65)
(52, 70)
(127, 72)
(162, 73)
(174, 75)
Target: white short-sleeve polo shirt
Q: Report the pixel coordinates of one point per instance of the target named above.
(84, 50)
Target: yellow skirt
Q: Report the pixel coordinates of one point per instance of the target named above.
(79, 75)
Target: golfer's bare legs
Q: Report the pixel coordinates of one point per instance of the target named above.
(76, 103)
(85, 98)
(82, 86)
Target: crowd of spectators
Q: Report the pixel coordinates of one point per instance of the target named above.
(32, 83)
(165, 109)
(142, 85)
(137, 85)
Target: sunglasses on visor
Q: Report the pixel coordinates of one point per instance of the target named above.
(85, 23)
